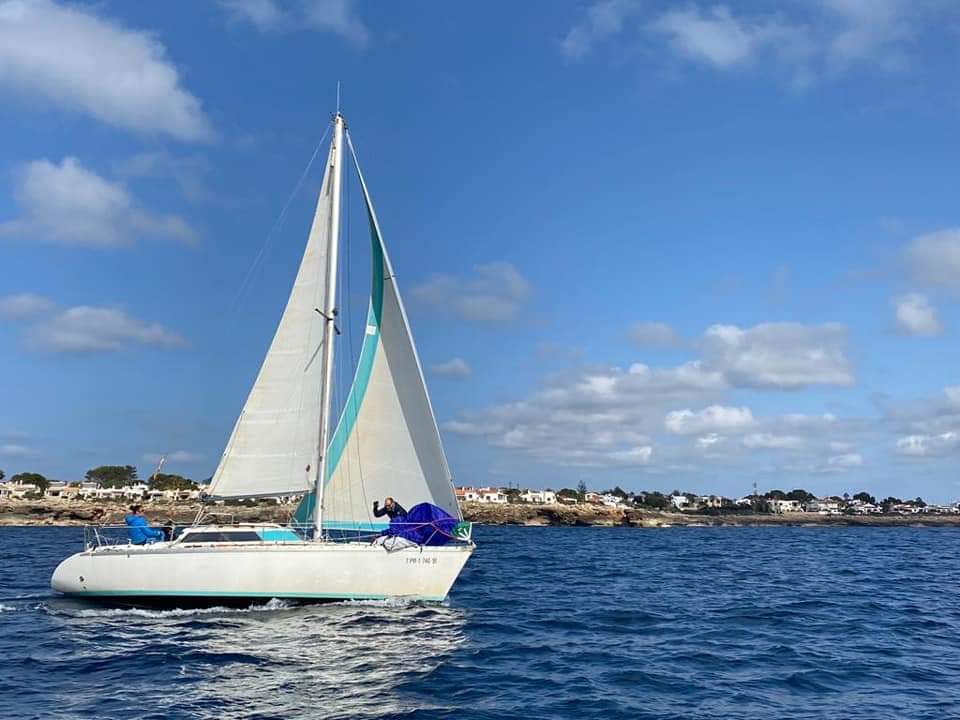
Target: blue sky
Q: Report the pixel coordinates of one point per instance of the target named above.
(655, 244)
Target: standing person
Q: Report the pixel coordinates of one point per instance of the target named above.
(139, 530)
(391, 508)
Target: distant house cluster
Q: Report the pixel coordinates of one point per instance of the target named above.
(92, 491)
(776, 502)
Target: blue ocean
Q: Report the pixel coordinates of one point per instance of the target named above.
(734, 623)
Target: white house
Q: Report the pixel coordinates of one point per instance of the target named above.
(612, 500)
(539, 497)
(592, 497)
(710, 501)
(492, 495)
(824, 506)
(21, 490)
(467, 494)
(784, 506)
(679, 502)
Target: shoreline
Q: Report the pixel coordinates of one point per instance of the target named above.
(77, 514)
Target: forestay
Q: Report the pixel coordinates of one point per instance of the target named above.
(273, 447)
(386, 442)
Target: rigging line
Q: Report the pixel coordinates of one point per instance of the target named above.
(277, 223)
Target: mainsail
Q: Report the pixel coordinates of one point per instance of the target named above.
(273, 447)
(386, 442)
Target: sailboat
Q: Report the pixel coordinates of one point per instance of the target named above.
(385, 443)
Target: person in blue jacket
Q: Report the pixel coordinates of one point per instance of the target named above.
(138, 530)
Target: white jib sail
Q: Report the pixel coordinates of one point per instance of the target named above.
(386, 442)
(273, 447)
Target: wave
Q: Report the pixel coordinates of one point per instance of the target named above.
(72, 610)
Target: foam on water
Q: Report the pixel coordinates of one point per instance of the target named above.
(272, 605)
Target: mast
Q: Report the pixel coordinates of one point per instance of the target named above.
(329, 313)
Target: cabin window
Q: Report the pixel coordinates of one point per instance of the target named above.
(228, 536)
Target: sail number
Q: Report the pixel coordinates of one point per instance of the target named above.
(421, 561)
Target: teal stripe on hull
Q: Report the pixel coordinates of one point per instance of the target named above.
(217, 594)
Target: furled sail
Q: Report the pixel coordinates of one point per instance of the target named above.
(386, 442)
(273, 447)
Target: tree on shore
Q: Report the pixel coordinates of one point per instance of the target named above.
(800, 495)
(775, 495)
(655, 500)
(2, 475)
(165, 481)
(581, 491)
(110, 476)
(30, 478)
(865, 497)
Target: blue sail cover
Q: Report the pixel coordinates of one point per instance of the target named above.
(424, 524)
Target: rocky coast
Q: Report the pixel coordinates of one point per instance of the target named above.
(48, 512)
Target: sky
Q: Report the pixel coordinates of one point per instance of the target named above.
(662, 245)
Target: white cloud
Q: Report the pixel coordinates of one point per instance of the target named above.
(769, 441)
(868, 30)
(712, 419)
(916, 316)
(845, 461)
(799, 41)
(928, 445)
(708, 441)
(455, 368)
(187, 171)
(13, 450)
(24, 307)
(934, 259)
(603, 19)
(178, 456)
(75, 59)
(779, 355)
(493, 294)
(655, 334)
(85, 329)
(717, 38)
(71, 205)
(953, 394)
(336, 16)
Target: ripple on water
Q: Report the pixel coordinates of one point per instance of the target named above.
(733, 623)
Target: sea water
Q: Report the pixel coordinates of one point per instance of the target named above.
(544, 623)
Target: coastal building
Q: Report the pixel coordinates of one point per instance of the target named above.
(467, 494)
(492, 495)
(824, 506)
(612, 500)
(679, 502)
(784, 506)
(593, 497)
(710, 501)
(19, 491)
(539, 497)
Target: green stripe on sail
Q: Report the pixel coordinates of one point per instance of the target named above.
(368, 352)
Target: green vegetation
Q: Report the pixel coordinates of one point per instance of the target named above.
(110, 476)
(164, 481)
(31, 478)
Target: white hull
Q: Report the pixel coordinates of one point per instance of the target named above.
(307, 570)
